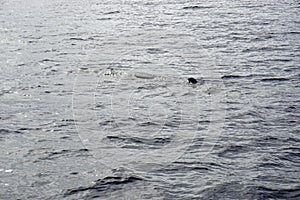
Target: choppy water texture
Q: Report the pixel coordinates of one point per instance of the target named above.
(95, 103)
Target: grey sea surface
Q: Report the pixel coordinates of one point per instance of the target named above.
(95, 103)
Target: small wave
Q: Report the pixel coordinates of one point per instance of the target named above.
(63, 153)
(148, 124)
(186, 166)
(6, 132)
(270, 165)
(145, 142)
(104, 18)
(291, 156)
(229, 190)
(274, 79)
(203, 165)
(48, 60)
(156, 51)
(103, 185)
(112, 12)
(292, 33)
(197, 7)
(266, 193)
(233, 150)
(238, 76)
(75, 38)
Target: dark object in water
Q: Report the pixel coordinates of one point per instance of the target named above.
(192, 80)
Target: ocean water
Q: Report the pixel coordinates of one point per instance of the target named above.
(95, 103)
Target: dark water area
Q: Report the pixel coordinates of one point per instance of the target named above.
(95, 103)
